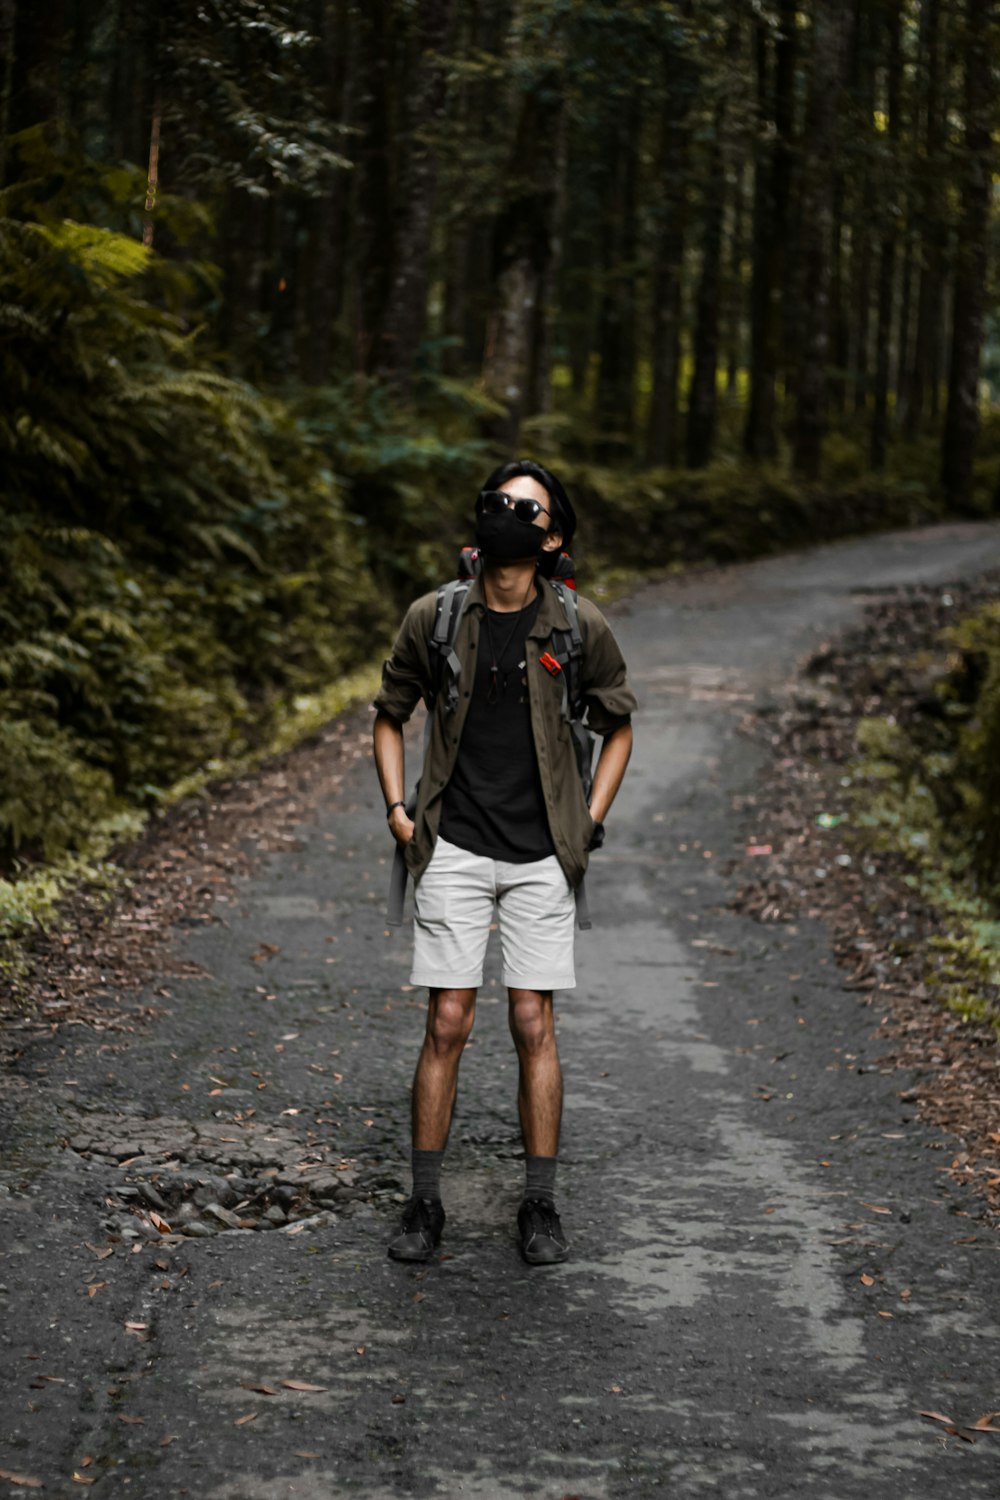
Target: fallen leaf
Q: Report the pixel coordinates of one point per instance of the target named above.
(867, 1280)
(360, 1349)
(617, 1389)
(301, 1385)
(251, 1416)
(158, 1223)
(136, 1327)
(885, 1314)
(306, 1453)
(875, 1208)
(213, 1284)
(170, 1438)
(86, 1461)
(162, 1264)
(936, 1416)
(79, 1478)
(398, 1400)
(26, 1481)
(101, 1254)
(131, 1421)
(264, 1390)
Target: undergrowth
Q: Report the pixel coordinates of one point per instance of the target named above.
(926, 786)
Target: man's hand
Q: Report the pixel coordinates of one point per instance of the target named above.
(400, 826)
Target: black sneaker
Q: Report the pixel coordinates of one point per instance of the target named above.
(420, 1233)
(542, 1240)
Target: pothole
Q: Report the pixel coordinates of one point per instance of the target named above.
(170, 1178)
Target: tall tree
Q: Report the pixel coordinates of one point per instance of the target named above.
(976, 166)
(405, 317)
(678, 74)
(773, 157)
(890, 230)
(830, 24)
(931, 230)
(522, 250)
(702, 398)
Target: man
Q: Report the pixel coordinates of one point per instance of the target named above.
(501, 820)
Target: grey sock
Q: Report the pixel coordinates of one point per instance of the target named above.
(427, 1174)
(540, 1177)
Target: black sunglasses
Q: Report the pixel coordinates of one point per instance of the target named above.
(492, 502)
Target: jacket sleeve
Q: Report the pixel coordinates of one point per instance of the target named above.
(406, 672)
(606, 690)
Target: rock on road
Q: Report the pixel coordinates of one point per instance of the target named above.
(733, 1163)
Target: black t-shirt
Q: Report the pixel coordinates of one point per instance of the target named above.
(494, 804)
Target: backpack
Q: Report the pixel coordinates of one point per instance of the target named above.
(564, 660)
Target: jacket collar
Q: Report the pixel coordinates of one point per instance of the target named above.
(551, 615)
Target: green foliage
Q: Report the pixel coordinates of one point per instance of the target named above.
(658, 517)
(177, 558)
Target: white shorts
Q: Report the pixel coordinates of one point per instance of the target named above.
(455, 899)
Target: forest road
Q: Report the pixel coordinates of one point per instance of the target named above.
(734, 1163)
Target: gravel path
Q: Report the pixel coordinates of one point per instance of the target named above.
(771, 1274)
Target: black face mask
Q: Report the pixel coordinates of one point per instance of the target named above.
(507, 539)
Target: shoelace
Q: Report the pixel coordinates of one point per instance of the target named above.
(543, 1219)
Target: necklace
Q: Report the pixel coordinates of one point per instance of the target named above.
(496, 657)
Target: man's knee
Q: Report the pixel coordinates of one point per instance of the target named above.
(449, 1019)
(531, 1020)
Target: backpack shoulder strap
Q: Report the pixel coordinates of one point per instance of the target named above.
(569, 652)
(445, 664)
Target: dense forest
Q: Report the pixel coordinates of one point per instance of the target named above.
(279, 280)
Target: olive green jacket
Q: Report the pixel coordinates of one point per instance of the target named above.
(407, 676)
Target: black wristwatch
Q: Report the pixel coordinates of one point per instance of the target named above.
(597, 837)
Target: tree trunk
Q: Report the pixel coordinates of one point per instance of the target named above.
(976, 181)
(403, 326)
(702, 400)
(322, 260)
(930, 207)
(734, 287)
(8, 17)
(661, 424)
(616, 328)
(887, 262)
(522, 254)
(35, 63)
(375, 248)
(772, 199)
(817, 229)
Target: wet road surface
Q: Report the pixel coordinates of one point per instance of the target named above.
(733, 1163)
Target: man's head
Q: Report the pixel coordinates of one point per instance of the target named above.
(522, 479)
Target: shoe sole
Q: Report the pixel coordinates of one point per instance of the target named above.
(534, 1259)
(405, 1255)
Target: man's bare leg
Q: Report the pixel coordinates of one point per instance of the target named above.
(450, 1014)
(539, 1097)
(540, 1087)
